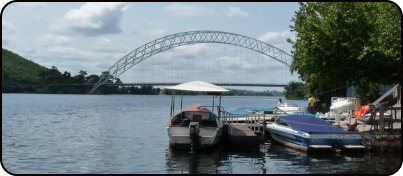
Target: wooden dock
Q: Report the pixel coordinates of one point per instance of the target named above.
(240, 134)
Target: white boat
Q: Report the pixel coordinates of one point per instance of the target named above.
(241, 115)
(196, 127)
(340, 104)
(289, 108)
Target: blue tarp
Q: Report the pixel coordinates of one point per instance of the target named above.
(304, 113)
(242, 111)
(312, 124)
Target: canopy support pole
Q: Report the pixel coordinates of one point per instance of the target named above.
(212, 108)
(172, 97)
(181, 103)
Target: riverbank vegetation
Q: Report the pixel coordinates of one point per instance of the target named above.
(343, 44)
(296, 91)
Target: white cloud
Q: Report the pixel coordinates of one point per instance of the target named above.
(155, 30)
(274, 36)
(182, 10)
(8, 30)
(92, 18)
(31, 5)
(54, 39)
(278, 39)
(7, 27)
(236, 12)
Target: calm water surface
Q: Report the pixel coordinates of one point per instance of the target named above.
(126, 134)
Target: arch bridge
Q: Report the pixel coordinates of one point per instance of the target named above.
(186, 38)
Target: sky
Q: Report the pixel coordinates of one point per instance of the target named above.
(76, 36)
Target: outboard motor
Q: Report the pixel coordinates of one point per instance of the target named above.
(194, 135)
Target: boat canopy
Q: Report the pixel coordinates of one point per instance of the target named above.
(311, 124)
(198, 86)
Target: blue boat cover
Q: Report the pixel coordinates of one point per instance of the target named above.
(304, 113)
(312, 124)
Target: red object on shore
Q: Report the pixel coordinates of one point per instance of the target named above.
(361, 111)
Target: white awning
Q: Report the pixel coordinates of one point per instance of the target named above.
(198, 86)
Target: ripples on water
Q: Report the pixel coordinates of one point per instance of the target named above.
(127, 134)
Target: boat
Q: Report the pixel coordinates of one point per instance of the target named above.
(269, 113)
(341, 104)
(196, 127)
(289, 108)
(307, 132)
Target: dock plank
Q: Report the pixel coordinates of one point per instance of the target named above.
(240, 134)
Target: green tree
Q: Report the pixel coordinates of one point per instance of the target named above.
(92, 79)
(340, 44)
(296, 90)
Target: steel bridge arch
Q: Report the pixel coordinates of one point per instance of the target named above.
(186, 38)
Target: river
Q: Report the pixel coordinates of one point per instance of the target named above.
(126, 134)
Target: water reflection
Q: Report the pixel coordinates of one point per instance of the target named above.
(289, 160)
(220, 160)
(182, 161)
(270, 158)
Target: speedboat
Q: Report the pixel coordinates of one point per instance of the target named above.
(341, 104)
(196, 127)
(289, 108)
(269, 113)
(306, 132)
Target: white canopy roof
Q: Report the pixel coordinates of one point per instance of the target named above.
(198, 86)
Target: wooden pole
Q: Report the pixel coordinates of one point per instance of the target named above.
(264, 127)
(381, 120)
(181, 103)
(172, 102)
(338, 119)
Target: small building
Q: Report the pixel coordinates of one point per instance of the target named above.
(382, 90)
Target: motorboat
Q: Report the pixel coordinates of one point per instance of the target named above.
(196, 127)
(341, 104)
(267, 112)
(340, 107)
(289, 108)
(306, 132)
(241, 115)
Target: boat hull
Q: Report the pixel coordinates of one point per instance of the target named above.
(307, 142)
(179, 137)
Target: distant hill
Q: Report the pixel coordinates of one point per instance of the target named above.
(19, 74)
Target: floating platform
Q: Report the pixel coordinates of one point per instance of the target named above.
(241, 135)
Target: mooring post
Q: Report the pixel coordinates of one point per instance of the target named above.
(381, 120)
(338, 119)
(264, 126)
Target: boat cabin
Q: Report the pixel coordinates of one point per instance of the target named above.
(195, 113)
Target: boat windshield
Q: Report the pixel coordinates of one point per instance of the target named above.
(281, 122)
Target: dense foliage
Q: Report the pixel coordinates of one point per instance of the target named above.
(342, 44)
(296, 91)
